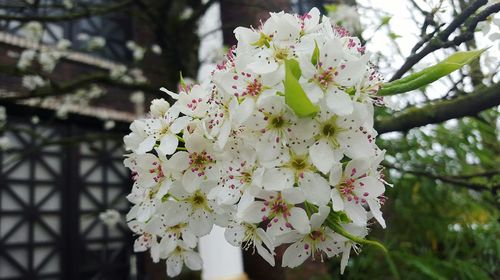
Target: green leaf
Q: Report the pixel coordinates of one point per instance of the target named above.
(294, 67)
(295, 97)
(427, 269)
(330, 8)
(385, 20)
(263, 41)
(181, 80)
(430, 74)
(393, 35)
(315, 55)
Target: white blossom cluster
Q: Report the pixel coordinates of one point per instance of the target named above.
(234, 152)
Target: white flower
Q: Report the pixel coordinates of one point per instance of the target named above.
(33, 82)
(156, 49)
(186, 13)
(137, 51)
(34, 119)
(236, 151)
(237, 175)
(5, 143)
(279, 210)
(48, 60)
(110, 217)
(356, 186)
(337, 136)
(296, 169)
(3, 115)
(182, 254)
(192, 103)
(33, 30)
(63, 44)
(68, 4)
(96, 42)
(83, 36)
(26, 59)
(199, 211)
(199, 160)
(347, 245)
(109, 124)
(320, 238)
(137, 97)
(347, 17)
(248, 235)
(159, 107)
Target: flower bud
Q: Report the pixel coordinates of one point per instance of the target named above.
(159, 107)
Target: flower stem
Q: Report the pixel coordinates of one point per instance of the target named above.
(340, 230)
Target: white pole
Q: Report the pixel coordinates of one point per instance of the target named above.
(221, 260)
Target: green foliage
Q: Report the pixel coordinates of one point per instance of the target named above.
(315, 55)
(385, 20)
(430, 74)
(437, 230)
(295, 97)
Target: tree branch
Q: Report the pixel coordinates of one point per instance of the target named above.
(58, 89)
(104, 9)
(443, 110)
(446, 179)
(441, 39)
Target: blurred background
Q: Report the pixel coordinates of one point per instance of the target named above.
(75, 73)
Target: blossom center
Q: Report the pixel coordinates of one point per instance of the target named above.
(317, 235)
(281, 53)
(254, 88)
(277, 122)
(156, 171)
(299, 163)
(199, 161)
(325, 77)
(330, 130)
(263, 40)
(346, 189)
(199, 201)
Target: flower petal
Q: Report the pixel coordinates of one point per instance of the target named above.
(193, 260)
(298, 219)
(356, 212)
(339, 102)
(337, 201)
(318, 218)
(168, 144)
(146, 145)
(322, 157)
(255, 212)
(316, 188)
(179, 124)
(293, 195)
(200, 222)
(277, 179)
(375, 209)
(335, 174)
(296, 254)
(174, 265)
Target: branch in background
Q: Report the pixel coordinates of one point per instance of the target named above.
(441, 39)
(104, 9)
(58, 89)
(443, 110)
(455, 180)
